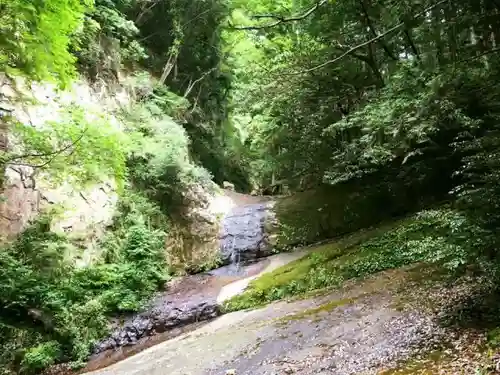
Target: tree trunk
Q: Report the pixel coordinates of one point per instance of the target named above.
(436, 13)
(450, 16)
(411, 44)
(371, 26)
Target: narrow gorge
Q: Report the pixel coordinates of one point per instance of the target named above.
(235, 187)
(245, 246)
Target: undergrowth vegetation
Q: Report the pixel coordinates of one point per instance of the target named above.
(52, 311)
(439, 236)
(160, 164)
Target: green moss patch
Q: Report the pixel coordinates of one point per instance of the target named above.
(326, 307)
(426, 237)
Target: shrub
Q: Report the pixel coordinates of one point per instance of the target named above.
(35, 37)
(48, 301)
(40, 357)
(160, 164)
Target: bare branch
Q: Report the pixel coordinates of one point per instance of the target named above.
(493, 50)
(368, 42)
(359, 56)
(6, 110)
(192, 84)
(144, 10)
(280, 19)
(149, 36)
(9, 218)
(195, 105)
(195, 18)
(51, 155)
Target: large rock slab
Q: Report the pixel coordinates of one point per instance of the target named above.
(27, 191)
(362, 329)
(243, 235)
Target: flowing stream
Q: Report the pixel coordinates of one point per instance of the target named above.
(192, 299)
(243, 236)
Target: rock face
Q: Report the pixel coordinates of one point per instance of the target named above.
(243, 235)
(25, 193)
(194, 242)
(221, 230)
(158, 321)
(243, 238)
(189, 299)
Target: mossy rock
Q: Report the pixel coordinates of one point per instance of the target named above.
(328, 212)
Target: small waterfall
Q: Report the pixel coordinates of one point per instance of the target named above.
(243, 239)
(235, 257)
(242, 234)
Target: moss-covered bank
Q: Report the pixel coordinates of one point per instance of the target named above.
(429, 236)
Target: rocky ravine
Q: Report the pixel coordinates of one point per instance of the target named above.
(192, 299)
(358, 330)
(353, 331)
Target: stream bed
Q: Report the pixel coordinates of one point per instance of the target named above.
(190, 301)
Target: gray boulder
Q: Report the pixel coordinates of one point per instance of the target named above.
(243, 236)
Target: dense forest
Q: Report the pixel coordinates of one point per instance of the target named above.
(388, 106)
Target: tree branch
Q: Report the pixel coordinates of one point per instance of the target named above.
(371, 26)
(192, 84)
(195, 105)
(6, 110)
(51, 155)
(359, 56)
(368, 42)
(145, 10)
(412, 44)
(496, 3)
(195, 18)
(493, 50)
(279, 19)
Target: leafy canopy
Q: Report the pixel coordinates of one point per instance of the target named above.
(35, 36)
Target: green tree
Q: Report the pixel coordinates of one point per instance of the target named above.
(35, 36)
(393, 93)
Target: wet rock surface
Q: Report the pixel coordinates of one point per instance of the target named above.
(158, 321)
(187, 300)
(243, 236)
(365, 330)
(193, 298)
